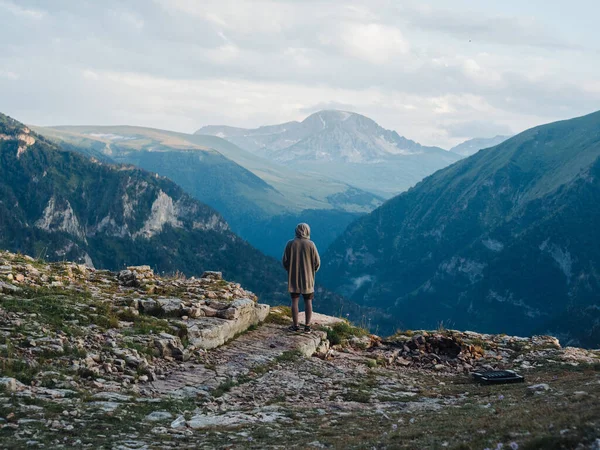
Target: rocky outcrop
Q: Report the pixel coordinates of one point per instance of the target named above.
(199, 363)
(59, 216)
(24, 139)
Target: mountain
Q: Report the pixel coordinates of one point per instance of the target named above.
(347, 146)
(472, 146)
(255, 197)
(505, 240)
(61, 205)
(323, 136)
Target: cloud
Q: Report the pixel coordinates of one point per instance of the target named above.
(515, 30)
(17, 10)
(181, 64)
(372, 42)
(8, 74)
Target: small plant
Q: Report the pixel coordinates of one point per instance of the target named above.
(340, 332)
(279, 315)
(359, 396)
(289, 356)
(224, 387)
(371, 363)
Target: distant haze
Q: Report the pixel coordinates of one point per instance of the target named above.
(440, 73)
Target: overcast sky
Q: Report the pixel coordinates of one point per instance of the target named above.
(436, 71)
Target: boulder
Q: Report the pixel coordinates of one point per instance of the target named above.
(169, 345)
(170, 306)
(211, 332)
(212, 275)
(11, 384)
(127, 278)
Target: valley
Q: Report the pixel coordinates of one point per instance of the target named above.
(255, 196)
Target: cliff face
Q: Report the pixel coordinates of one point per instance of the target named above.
(130, 359)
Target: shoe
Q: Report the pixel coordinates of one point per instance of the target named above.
(307, 329)
(294, 328)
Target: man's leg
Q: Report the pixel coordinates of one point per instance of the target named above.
(308, 308)
(295, 301)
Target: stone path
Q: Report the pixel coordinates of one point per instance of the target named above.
(249, 351)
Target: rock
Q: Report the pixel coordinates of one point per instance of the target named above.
(19, 277)
(169, 345)
(195, 312)
(11, 384)
(208, 311)
(128, 278)
(212, 275)
(179, 423)
(149, 306)
(229, 313)
(218, 332)
(228, 419)
(157, 416)
(105, 406)
(8, 288)
(215, 304)
(539, 387)
(111, 397)
(170, 306)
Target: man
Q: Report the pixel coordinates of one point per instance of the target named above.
(301, 260)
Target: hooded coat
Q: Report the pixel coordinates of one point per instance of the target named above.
(301, 260)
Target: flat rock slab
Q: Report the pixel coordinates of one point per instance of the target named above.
(211, 332)
(319, 319)
(250, 350)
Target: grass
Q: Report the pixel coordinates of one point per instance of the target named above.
(56, 308)
(280, 315)
(224, 387)
(288, 356)
(340, 332)
(144, 325)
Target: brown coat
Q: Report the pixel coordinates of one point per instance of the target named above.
(301, 260)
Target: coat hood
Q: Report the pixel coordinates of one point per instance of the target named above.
(303, 231)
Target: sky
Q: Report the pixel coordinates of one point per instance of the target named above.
(438, 72)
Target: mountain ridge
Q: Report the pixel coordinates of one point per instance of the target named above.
(298, 136)
(506, 229)
(343, 145)
(472, 146)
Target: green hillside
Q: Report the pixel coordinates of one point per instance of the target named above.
(503, 241)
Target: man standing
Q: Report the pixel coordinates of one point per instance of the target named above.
(301, 260)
